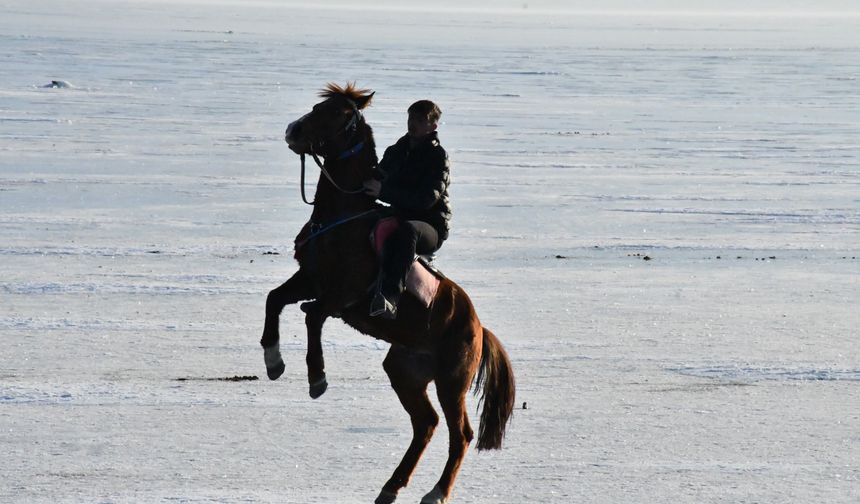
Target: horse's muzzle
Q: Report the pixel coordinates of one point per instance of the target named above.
(292, 137)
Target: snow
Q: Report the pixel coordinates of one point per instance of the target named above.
(146, 211)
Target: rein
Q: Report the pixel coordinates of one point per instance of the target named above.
(328, 227)
(351, 126)
(345, 154)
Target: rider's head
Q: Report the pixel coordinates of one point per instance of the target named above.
(423, 118)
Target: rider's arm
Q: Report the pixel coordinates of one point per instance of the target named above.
(430, 187)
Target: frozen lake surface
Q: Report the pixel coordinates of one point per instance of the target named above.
(658, 215)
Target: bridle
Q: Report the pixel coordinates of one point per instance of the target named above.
(351, 127)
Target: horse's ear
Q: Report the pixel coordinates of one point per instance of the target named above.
(364, 101)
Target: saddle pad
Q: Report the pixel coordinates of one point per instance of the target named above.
(422, 283)
(381, 232)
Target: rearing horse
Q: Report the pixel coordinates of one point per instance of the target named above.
(444, 343)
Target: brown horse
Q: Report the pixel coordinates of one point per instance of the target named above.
(444, 343)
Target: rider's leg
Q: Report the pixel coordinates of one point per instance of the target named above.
(410, 238)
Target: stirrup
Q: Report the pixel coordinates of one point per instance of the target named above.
(380, 306)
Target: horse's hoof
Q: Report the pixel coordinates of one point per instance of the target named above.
(385, 497)
(276, 371)
(317, 389)
(274, 363)
(434, 497)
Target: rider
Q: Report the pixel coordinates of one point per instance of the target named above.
(414, 181)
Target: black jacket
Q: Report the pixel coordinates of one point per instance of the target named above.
(415, 182)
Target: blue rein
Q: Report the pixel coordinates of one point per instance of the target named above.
(328, 227)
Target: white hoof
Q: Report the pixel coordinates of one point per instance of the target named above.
(272, 355)
(434, 497)
(274, 363)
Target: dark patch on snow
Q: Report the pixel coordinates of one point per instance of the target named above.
(59, 84)
(644, 257)
(225, 379)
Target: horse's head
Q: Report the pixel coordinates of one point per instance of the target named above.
(331, 125)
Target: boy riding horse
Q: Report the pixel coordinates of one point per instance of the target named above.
(413, 177)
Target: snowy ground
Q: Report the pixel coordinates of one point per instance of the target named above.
(146, 212)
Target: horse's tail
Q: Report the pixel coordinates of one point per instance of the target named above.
(496, 378)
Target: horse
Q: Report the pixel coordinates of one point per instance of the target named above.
(444, 342)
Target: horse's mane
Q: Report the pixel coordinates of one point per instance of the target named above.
(349, 91)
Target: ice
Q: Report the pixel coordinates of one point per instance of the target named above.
(146, 211)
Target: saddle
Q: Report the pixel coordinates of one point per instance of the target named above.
(423, 278)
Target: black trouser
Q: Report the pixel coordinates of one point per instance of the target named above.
(410, 238)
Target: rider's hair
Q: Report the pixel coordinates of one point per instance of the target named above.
(427, 109)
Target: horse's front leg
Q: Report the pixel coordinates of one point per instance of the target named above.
(315, 317)
(293, 290)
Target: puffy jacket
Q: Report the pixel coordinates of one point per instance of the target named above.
(415, 182)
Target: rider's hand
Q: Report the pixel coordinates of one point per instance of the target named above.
(372, 187)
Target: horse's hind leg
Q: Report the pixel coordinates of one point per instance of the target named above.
(458, 363)
(451, 392)
(314, 320)
(409, 373)
(293, 290)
